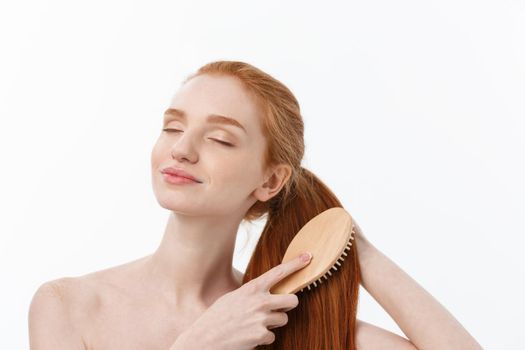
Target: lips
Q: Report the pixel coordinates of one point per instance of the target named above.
(179, 172)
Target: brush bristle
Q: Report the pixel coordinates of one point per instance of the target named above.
(334, 267)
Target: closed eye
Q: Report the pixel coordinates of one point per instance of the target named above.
(227, 144)
(171, 130)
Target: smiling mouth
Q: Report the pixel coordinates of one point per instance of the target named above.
(174, 179)
(179, 173)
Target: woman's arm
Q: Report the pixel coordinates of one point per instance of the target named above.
(426, 323)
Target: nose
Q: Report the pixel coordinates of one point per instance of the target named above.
(183, 149)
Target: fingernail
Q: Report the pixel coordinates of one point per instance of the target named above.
(306, 256)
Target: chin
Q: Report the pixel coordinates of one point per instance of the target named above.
(174, 203)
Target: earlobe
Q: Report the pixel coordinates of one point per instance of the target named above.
(274, 183)
(264, 192)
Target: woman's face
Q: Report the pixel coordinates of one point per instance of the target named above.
(229, 175)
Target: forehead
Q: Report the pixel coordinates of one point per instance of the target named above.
(222, 95)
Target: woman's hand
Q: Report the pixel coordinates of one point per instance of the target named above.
(241, 319)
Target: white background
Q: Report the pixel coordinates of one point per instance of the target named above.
(414, 116)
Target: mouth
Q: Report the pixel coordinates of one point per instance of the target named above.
(174, 179)
(173, 174)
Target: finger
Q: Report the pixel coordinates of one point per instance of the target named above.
(282, 302)
(276, 319)
(277, 273)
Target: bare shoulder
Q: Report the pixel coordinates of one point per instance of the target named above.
(371, 337)
(52, 320)
(62, 309)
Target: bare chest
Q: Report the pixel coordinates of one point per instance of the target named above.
(127, 323)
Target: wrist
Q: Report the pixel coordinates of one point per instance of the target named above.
(189, 340)
(365, 250)
(182, 342)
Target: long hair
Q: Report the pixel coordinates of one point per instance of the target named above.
(326, 315)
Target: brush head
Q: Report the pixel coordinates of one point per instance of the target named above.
(328, 236)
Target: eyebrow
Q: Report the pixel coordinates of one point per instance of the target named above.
(212, 118)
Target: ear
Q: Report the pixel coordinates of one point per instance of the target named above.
(276, 179)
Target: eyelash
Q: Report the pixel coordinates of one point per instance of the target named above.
(227, 144)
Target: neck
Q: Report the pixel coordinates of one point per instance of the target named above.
(193, 264)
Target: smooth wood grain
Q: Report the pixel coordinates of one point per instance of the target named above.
(328, 236)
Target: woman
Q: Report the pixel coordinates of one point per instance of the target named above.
(234, 136)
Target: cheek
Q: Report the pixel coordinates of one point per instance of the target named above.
(236, 170)
(247, 174)
(155, 160)
(159, 155)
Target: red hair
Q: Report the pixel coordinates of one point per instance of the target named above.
(326, 315)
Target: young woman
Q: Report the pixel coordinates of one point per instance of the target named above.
(230, 149)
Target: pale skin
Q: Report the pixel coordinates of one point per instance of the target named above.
(165, 300)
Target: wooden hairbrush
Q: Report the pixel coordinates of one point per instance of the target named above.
(328, 236)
